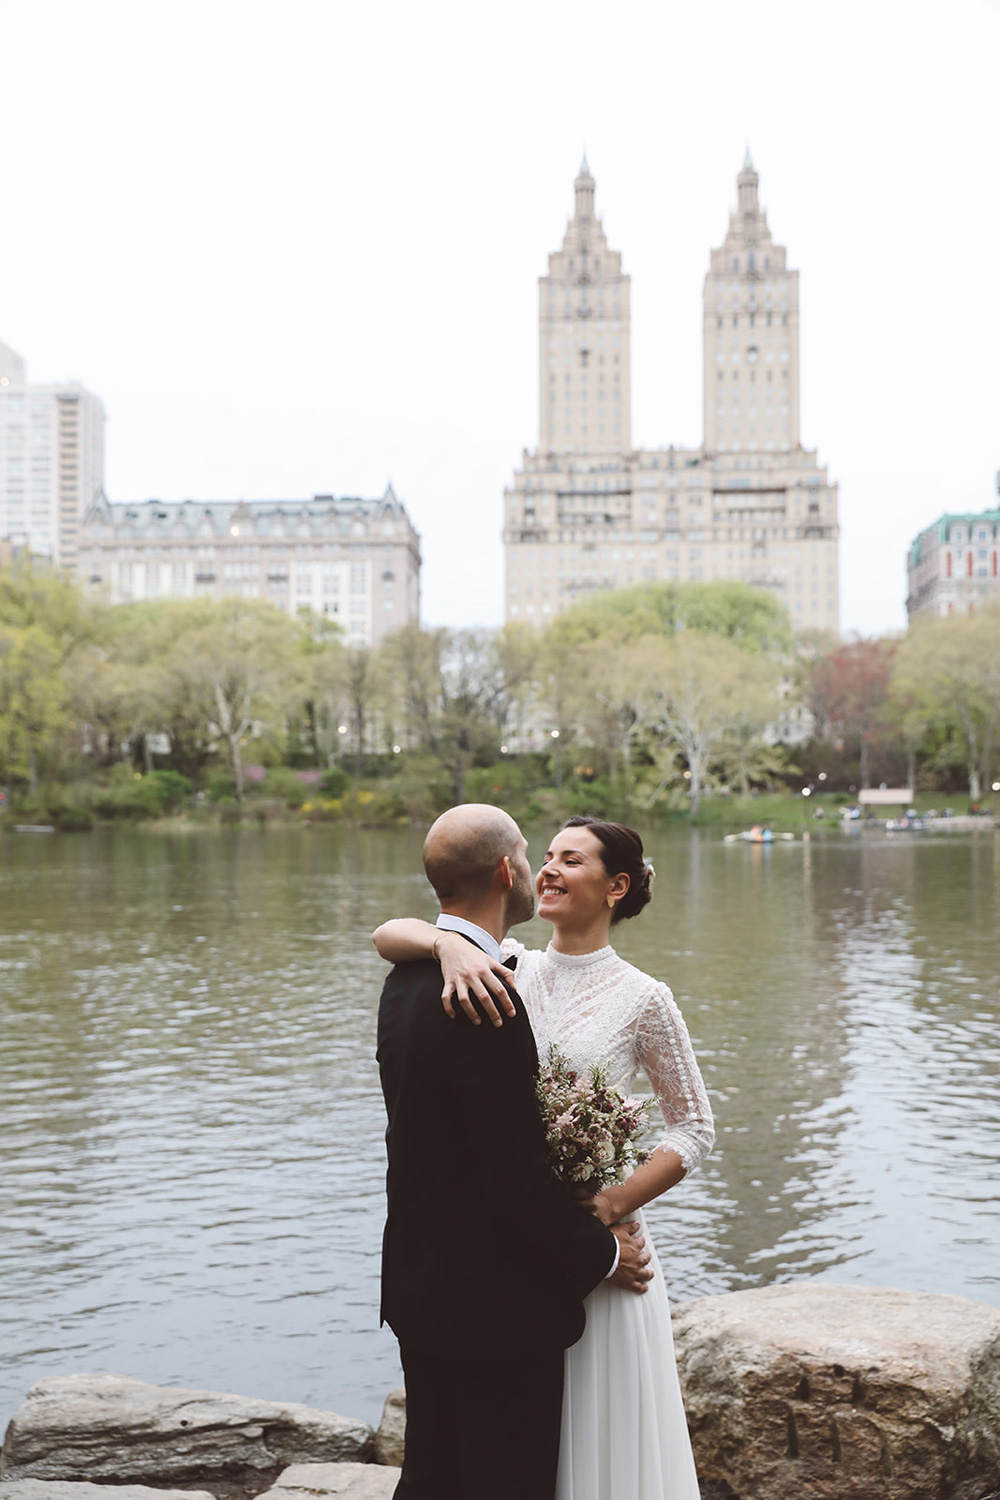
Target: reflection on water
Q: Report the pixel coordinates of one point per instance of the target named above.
(191, 1129)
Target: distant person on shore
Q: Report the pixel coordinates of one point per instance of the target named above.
(624, 1434)
(487, 1257)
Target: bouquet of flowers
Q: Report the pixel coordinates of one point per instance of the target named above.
(591, 1128)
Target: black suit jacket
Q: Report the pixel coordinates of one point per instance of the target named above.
(484, 1250)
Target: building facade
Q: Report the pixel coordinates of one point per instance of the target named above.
(357, 562)
(51, 461)
(586, 511)
(952, 566)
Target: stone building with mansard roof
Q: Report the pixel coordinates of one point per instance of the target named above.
(586, 511)
(953, 566)
(355, 561)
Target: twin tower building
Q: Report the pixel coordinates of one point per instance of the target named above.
(588, 512)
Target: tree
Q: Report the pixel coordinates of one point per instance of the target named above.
(412, 663)
(237, 664)
(45, 623)
(847, 693)
(324, 685)
(117, 687)
(614, 700)
(748, 616)
(361, 684)
(948, 672)
(515, 650)
(33, 698)
(705, 688)
(471, 683)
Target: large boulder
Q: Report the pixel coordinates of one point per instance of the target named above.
(111, 1427)
(70, 1489)
(346, 1481)
(834, 1392)
(391, 1434)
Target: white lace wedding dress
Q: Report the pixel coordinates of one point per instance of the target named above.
(624, 1435)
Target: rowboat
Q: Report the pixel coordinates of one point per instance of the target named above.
(758, 836)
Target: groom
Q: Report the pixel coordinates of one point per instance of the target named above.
(486, 1257)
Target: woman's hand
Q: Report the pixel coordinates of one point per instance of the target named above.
(468, 972)
(603, 1206)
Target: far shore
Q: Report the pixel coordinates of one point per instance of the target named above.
(819, 813)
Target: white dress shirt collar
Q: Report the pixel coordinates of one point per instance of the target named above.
(486, 940)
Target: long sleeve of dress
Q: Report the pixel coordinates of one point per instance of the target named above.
(664, 1051)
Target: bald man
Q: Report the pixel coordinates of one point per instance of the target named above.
(486, 1257)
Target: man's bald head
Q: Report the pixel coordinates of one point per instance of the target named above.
(463, 849)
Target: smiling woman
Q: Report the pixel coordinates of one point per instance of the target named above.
(593, 876)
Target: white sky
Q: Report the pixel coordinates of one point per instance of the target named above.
(294, 247)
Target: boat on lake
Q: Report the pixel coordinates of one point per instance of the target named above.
(757, 835)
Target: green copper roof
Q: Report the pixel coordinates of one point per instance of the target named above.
(944, 523)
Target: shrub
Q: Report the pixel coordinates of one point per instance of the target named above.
(385, 807)
(286, 785)
(333, 782)
(162, 792)
(220, 786)
(72, 817)
(128, 794)
(323, 810)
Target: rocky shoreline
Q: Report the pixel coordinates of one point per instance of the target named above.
(800, 1390)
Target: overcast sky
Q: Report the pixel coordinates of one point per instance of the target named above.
(294, 247)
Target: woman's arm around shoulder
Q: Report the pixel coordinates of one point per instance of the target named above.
(466, 970)
(404, 939)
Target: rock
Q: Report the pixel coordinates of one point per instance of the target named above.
(68, 1489)
(830, 1391)
(351, 1481)
(391, 1429)
(111, 1427)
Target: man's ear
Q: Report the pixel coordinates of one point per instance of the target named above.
(506, 873)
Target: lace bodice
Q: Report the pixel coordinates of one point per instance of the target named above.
(596, 1008)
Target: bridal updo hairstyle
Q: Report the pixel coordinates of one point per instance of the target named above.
(621, 854)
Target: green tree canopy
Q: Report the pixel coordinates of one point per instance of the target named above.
(750, 617)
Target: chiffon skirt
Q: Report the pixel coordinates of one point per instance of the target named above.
(624, 1434)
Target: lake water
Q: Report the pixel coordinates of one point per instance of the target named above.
(191, 1149)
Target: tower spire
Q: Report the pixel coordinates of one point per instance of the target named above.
(584, 189)
(746, 184)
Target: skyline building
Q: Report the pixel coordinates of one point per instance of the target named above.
(355, 561)
(584, 327)
(587, 512)
(51, 461)
(952, 566)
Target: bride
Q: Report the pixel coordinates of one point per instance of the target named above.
(624, 1435)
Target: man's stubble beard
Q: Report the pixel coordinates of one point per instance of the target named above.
(522, 906)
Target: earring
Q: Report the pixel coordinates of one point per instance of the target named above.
(611, 902)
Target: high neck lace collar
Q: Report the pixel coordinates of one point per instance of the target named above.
(580, 960)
